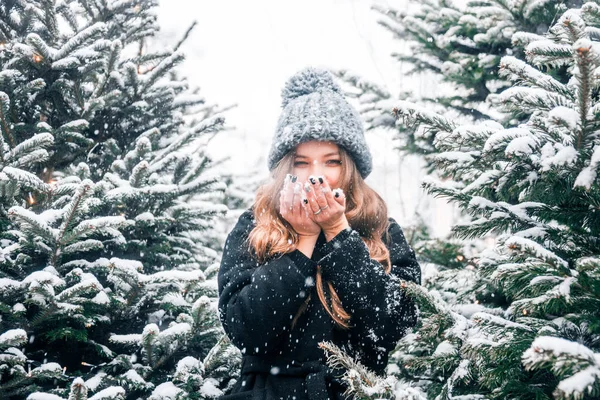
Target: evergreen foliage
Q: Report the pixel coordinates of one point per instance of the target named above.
(460, 44)
(107, 199)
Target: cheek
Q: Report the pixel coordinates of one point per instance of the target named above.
(333, 178)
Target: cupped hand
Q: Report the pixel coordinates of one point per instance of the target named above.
(326, 207)
(291, 208)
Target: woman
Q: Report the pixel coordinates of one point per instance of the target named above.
(316, 257)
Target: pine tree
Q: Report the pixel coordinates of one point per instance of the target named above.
(536, 187)
(459, 43)
(107, 199)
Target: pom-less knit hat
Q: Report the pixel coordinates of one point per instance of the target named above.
(315, 109)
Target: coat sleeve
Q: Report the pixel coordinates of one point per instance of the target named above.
(257, 301)
(380, 311)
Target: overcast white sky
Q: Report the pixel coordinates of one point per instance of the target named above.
(241, 52)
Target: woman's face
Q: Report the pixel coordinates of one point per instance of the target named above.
(318, 159)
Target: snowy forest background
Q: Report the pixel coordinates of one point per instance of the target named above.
(124, 161)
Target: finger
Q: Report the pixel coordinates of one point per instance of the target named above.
(283, 210)
(304, 201)
(310, 196)
(330, 196)
(286, 182)
(339, 197)
(288, 195)
(297, 199)
(320, 190)
(284, 203)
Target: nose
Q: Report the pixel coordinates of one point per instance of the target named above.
(316, 169)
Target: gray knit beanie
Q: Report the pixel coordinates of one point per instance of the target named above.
(315, 109)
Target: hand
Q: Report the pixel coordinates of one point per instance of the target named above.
(326, 207)
(292, 210)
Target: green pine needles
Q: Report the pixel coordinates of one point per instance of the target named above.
(535, 186)
(107, 201)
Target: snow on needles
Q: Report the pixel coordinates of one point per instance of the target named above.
(565, 355)
(587, 176)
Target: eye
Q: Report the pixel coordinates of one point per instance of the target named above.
(334, 162)
(300, 163)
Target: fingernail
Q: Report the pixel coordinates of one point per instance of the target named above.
(312, 180)
(294, 178)
(320, 179)
(307, 187)
(305, 201)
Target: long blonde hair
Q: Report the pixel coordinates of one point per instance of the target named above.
(273, 236)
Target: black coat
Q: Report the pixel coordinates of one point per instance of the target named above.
(257, 302)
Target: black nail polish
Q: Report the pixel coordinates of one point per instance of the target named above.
(294, 178)
(337, 194)
(312, 180)
(305, 201)
(320, 180)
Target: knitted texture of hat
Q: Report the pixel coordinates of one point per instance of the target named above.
(315, 109)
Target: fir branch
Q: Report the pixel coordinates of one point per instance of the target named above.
(571, 23)
(79, 390)
(12, 338)
(149, 337)
(522, 39)
(419, 63)
(82, 247)
(212, 124)
(70, 216)
(161, 69)
(222, 358)
(573, 361)
(185, 36)
(415, 116)
(68, 15)
(79, 40)
(50, 18)
(5, 124)
(115, 52)
(40, 47)
(520, 72)
(139, 175)
(32, 224)
(39, 141)
(357, 376)
(530, 100)
(26, 94)
(548, 53)
(365, 86)
(586, 62)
